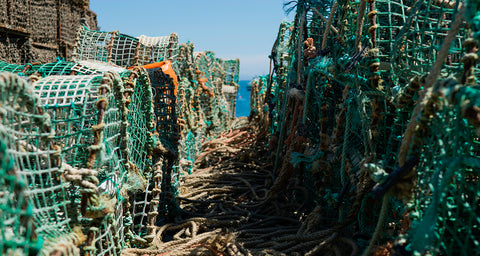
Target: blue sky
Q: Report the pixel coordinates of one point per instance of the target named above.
(244, 29)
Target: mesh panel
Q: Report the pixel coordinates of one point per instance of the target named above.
(89, 133)
(90, 67)
(139, 146)
(416, 49)
(210, 96)
(26, 132)
(123, 50)
(231, 68)
(350, 93)
(17, 237)
(14, 68)
(446, 212)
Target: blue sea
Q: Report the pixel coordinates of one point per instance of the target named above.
(243, 100)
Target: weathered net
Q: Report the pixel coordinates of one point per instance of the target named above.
(123, 50)
(17, 228)
(27, 132)
(340, 114)
(445, 211)
(86, 119)
(208, 93)
(231, 69)
(258, 98)
(60, 67)
(112, 146)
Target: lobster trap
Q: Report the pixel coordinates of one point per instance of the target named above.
(348, 81)
(123, 50)
(96, 145)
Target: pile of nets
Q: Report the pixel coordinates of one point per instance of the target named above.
(99, 144)
(373, 107)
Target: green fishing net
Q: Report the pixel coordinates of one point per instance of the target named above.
(100, 148)
(27, 132)
(352, 102)
(123, 50)
(17, 228)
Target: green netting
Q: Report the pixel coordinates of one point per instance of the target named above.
(86, 119)
(139, 147)
(27, 133)
(123, 50)
(210, 96)
(340, 107)
(17, 228)
(14, 68)
(184, 61)
(280, 58)
(231, 69)
(113, 143)
(446, 206)
(416, 48)
(61, 67)
(191, 129)
(258, 97)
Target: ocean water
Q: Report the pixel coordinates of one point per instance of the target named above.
(243, 99)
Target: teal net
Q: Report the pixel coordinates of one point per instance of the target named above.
(18, 230)
(27, 131)
(191, 129)
(340, 104)
(101, 148)
(60, 67)
(258, 110)
(139, 146)
(209, 94)
(14, 68)
(445, 210)
(184, 61)
(123, 50)
(231, 69)
(86, 119)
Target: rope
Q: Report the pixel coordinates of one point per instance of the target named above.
(329, 24)
(379, 226)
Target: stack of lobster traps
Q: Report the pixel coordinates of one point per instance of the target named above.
(374, 106)
(90, 149)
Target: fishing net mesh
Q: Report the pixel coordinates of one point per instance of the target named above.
(27, 131)
(231, 70)
(123, 50)
(31, 166)
(16, 211)
(357, 103)
(98, 146)
(258, 96)
(445, 212)
(85, 117)
(209, 94)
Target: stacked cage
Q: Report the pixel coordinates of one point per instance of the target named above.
(231, 69)
(31, 164)
(101, 160)
(365, 125)
(258, 99)
(41, 31)
(208, 92)
(123, 50)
